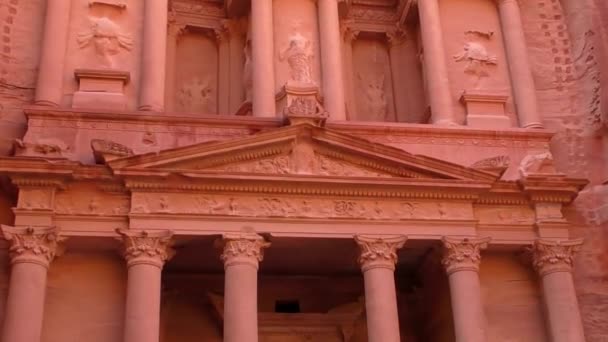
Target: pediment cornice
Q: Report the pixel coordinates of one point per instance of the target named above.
(301, 149)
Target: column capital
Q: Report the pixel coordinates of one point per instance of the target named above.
(462, 254)
(554, 256)
(396, 37)
(243, 248)
(176, 30)
(36, 245)
(146, 247)
(348, 32)
(378, 252)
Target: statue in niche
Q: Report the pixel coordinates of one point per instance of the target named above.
(377, 105)
(107, 38)
(477, 59)
(299, 56)
(196, 95)
(247, 71)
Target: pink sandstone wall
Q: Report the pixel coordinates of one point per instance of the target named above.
(20, 24)
(512, 300)
(85, 298)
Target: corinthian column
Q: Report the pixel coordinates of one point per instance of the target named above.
(377, 259)
(331, 59)
(262, 55)
(31, 252)
(49, 87)
(553, 260)
(241, 255)
(461, 261)
(522, 82)
(154, 54)
(435, 67)
(145, 253)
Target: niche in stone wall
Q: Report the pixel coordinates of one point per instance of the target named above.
(196, 72)
(372, 79)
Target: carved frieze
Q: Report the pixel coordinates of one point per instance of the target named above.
(32, 244)
(91, 204)
(277, 165)
(35, 199)
(297, 207)
(554, 256)
(505, 215)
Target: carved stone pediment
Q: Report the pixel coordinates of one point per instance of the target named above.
(301, 149)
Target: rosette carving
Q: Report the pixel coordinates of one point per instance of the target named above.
(554, 256)
(378, 252)
(462, 254)
(32, 244)
(246, 248)
(146, 247)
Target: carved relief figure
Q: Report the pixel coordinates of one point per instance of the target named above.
(477, 59)
(197, 96)
(107, 39)
(299, 56)
(376, 98)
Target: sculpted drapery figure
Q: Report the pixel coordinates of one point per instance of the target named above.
(299, 56)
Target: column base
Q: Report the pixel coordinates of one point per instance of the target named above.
(485, 110)
(100, 88)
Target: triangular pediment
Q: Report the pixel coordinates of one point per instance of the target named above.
(302, 149)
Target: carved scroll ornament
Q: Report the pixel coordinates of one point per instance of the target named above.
(31, 244)
(378, 252)
(143, 247)
(462, 254)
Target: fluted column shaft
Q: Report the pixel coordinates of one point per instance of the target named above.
(145, 253)
(154, 54)
(553, 261)
(49, 86)
(331, 59)
(435, 66)
(377, 258)
(522, 82)
(31, 252)
(241, 255)
(262, 56)
(461, 260)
